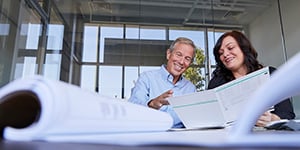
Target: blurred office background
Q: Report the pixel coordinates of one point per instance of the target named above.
(103, 45)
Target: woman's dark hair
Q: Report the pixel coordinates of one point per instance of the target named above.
(248, 50)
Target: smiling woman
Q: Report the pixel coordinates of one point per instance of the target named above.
(236, 57)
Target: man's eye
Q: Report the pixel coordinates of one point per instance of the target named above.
(178, 54)
(188, 59)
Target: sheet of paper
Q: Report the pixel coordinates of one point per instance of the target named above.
(233, 96)
(218, 106)
(195, 110)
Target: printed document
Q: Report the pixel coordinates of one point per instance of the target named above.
(221, 106)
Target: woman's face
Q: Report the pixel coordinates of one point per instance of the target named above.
(231, 54)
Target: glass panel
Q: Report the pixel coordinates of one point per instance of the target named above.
(155, 33)
(109, 32)
(31, 33)
(27, 68)
(52, 66)
(90, 43)
(132, 32)
(110, 81)
(28, 42)
(131, 75)
(4, 29)
(7, 38)
(88, 77)
(195, 35)
(213, 36)
(55, 36)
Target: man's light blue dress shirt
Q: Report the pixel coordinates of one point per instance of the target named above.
(151, 84)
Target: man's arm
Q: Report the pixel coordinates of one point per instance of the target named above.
(140, 91)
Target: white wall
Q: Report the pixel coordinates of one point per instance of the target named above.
(291, 23)
(265, 34)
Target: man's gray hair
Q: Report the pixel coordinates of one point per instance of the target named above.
(183, 40)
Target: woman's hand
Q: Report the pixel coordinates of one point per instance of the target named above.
(161, 100)
(266, 118)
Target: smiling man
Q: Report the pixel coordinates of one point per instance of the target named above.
(153, 88)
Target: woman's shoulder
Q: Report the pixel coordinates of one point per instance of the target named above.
(216, 81)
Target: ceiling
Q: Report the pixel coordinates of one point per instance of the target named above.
(218, 13)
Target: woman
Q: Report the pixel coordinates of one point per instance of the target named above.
(235, 57)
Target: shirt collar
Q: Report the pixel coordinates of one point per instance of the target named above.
(165, 73)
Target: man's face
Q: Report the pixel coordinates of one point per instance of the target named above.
(179, 59)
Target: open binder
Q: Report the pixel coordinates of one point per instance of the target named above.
(35, 108)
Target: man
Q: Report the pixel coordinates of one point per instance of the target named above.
(153, 88)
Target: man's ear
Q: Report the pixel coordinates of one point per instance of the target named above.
(168, 54)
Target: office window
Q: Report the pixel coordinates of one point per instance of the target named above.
(132, 32)
(152, 33)
(213, 36)
(125, 52)
(4, 29)
(55, 36)
(88, 77)
(90, 43)
(26, 67)
(52, 66)
(109, 32)
(110, 81)
(196, 35)
(31, 33)
(28, 43)
(131, 75)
